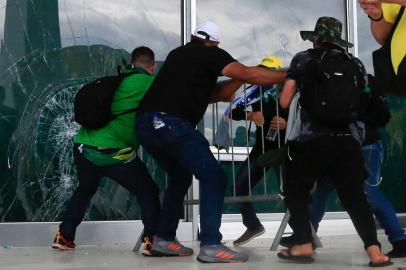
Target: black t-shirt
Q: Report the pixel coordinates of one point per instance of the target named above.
(184, 85)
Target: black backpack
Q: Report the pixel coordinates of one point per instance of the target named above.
(92, 105)
(332, 87)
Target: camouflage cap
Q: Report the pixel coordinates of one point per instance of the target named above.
(328, 30)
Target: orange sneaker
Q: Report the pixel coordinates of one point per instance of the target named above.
(220, 254)
(163, 248)
(61, 243)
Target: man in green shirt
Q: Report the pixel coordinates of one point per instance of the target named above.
(111, 151)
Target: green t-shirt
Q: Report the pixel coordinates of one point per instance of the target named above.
(119, 133)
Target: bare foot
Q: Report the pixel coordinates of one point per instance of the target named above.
(299, 250)
(402, 268)
(376, 255)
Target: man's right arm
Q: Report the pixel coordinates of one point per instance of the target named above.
(253, 75)
(288, 91)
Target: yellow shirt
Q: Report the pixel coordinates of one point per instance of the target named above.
(390, 12)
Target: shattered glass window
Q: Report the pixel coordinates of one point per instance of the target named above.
(49, 49)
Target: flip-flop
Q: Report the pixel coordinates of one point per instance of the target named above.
(382, 264)
(296, 258)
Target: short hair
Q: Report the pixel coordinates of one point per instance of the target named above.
(142, 56)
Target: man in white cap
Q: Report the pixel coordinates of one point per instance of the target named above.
(166, 127)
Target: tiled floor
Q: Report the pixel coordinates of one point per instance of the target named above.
(339, 252)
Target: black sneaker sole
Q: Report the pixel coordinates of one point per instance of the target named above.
(218, 260)
(290, 243)
(155, 253)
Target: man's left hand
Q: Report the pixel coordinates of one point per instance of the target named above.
(282, 123)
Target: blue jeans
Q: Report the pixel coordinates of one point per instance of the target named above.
(183, 151)
(381, 206)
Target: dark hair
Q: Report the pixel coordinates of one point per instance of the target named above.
(143, 56)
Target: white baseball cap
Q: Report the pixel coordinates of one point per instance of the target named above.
(207, 30)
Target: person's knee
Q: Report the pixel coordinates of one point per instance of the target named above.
(222, 179)
(295, 194)
(373, 196)
(242, 188)
(296, 190)
(215, 179)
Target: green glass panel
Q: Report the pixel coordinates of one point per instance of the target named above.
(49, 49)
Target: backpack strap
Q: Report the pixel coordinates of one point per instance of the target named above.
(133, 71)
(336, 50)
(395, 24)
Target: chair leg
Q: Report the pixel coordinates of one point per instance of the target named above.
(316, 239)
(139, 242)
(282, 228)
(280, 232)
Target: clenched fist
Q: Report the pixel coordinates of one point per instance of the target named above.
(372, 8)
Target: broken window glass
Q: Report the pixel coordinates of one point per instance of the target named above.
(49, 49)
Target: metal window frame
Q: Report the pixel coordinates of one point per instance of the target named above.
(352, 25)
(188, 25)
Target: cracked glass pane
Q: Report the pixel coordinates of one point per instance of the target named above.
(49, 49)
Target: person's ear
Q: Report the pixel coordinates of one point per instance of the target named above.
(154, 67)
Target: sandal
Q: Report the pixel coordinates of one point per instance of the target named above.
(381, 264)
(295, 258)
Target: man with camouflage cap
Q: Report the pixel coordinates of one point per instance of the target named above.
(327, 146)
